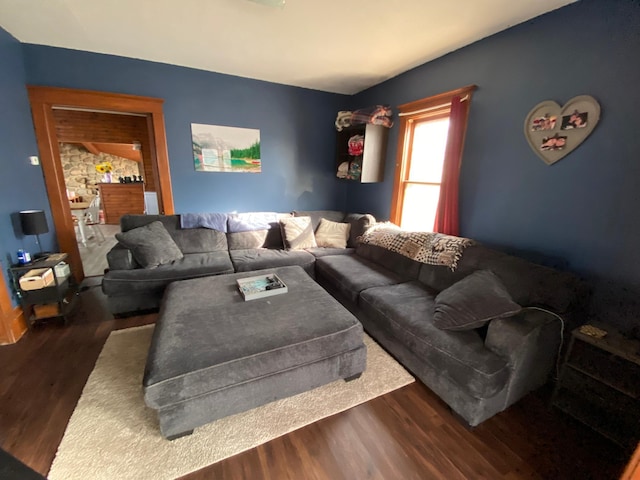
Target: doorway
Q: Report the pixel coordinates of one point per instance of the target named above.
(46, 103)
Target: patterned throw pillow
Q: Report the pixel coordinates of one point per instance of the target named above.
(332, 234)
(297, 233)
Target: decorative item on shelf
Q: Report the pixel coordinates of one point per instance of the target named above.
(106, 168)
(355, 169)
(376, 115)
(34, 222)
(593, 331)
(554, 131)
(355, 149)
(356, 145)
(343, 170)
(23, 257)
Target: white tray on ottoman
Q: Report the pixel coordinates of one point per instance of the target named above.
(214, 354)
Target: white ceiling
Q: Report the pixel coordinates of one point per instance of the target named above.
(342, 46)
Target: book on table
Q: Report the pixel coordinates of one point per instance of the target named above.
(261, 286)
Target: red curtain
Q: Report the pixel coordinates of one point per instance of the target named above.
(447, 212)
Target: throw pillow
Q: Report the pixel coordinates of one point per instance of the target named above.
(150, 245)
(332, 234)
(472, 302)
(297, 233)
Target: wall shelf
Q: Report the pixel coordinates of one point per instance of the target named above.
(375, 149)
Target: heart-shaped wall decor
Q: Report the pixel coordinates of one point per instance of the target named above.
(554, 131)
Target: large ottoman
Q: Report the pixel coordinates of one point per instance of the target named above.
(213, 354)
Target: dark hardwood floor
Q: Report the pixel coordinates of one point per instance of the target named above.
(407, 434)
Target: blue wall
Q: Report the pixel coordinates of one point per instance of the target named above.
(21, 184)
(584, 208)
(296, 127)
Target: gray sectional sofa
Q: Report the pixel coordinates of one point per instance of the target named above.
(505, 352)
(463, 332)
(251, 241)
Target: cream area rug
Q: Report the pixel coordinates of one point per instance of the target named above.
(112, 434)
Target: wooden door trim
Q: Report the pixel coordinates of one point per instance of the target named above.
(632, 470)
(43, 100)
(12, 321)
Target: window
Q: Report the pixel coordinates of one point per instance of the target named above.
(424, 129)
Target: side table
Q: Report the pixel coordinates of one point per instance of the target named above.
(54, 300)
(599, 383)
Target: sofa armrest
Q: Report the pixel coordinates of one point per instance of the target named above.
(121, 258)
(529, 343)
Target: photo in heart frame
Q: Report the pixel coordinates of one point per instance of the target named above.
(554, 131)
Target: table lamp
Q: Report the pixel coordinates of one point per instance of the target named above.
(34, 222)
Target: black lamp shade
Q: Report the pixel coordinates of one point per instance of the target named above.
(33, 222)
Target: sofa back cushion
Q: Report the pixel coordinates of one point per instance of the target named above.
(255, 230)
(189, 240)
(359, 221)
(528, 283)
(317, 215)
(200, 240)
(129, 222)
(402, 266)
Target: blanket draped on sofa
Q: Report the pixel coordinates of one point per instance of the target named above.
(424, 247)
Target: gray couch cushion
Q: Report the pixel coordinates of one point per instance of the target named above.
(189, 240)
(403, 266)
(255, 230)
(351, 274)
(251, 221)
(254, 239)
(261, 258)
(204, 343)
(151, 245)
(405, 312)
(527, 283)
(317, 215)
(200, 240)
(120, 258)
(472, 302)
(360, 222)
(131, 282)
(129, 222)
(325, 251)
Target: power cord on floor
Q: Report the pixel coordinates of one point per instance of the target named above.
(561, 334)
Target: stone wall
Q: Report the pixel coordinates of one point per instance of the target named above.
(80, 173)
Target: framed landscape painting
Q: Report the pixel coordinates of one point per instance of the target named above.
(217, 148)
